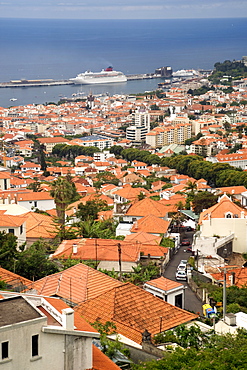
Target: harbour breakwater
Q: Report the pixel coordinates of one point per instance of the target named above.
(51, 82)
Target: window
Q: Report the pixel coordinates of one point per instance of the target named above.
(228, 215)
(35, 345)
(21, 229)
(11, 231)
(5, 350)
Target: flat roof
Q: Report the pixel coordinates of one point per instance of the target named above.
(16, 309)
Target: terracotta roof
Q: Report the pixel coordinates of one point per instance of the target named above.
(233, 189)
(12, 279)
(102, 362)
(240, 276)
(40, 226)
(223, 207)
(40, 195)
(147, 206)
(143, 237)
(133, 310)
(10, 220)
(130, 193)
(151, 224)
(76, 284)
(164, 284)
(107, 250)
(79, 322)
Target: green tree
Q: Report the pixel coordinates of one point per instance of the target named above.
(203, 200)
(33, 263)
(218, 353)
(111, 347)
(8, 250)
(64, 192)
(90, 210)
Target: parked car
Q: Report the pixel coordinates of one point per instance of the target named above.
(189, 228)
(183, 262)
(181, 275)
(185, 242)
(189, 249)
(181, 268)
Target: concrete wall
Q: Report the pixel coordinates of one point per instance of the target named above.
(225, 227)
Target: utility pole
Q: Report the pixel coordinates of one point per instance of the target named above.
(224, 295)
(96, 254)
(119, 260)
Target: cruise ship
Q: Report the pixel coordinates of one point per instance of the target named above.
(185, 73)
(105, 76)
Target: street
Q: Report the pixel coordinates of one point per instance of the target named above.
(192, 303)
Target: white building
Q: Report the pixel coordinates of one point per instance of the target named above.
(38, 333)
(140, 126)
(98, 141)
(168, 290)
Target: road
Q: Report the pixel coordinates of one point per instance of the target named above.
(192, 303)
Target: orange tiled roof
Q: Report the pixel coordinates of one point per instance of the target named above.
(164, 284)
(12, 279)
(107, 250)
(40, 226)
(133, 310)
(240, 276)
(11, 221)
(144, 238)
(147, 206)
(130, 193)
(220, 209)
(233, 189)
(76, 284)
(151, 224)
(102, 362)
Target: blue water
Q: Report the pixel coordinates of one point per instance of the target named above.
(60, 49)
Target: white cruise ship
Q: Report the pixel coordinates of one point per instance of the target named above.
(105, 76)
(185, 73)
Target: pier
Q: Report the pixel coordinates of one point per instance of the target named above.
(35, 83)
(50, 82)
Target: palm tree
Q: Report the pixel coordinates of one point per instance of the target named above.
(190, 190)
(63, 192)
(191, 187)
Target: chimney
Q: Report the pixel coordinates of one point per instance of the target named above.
(74, 248)
(232, 278)
(68, 318)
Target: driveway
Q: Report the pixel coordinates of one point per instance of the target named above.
(192, 303)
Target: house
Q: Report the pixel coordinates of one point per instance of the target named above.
(129, 194)
(50, 142)
(223, 229)
(31, 200)
(131, 179)
(170, 291)
(39, 226)
(235, 276)
(15, 225)
(146, 207)
(13, 281)
(151, 224)
(99, 141)
(30, 166)
(4, 180)
(133, 310)
(111, 254)
(31, 326)
(73, 285)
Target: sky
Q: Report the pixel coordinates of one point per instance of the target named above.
(122, 9)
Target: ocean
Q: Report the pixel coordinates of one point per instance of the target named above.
(60, 49)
